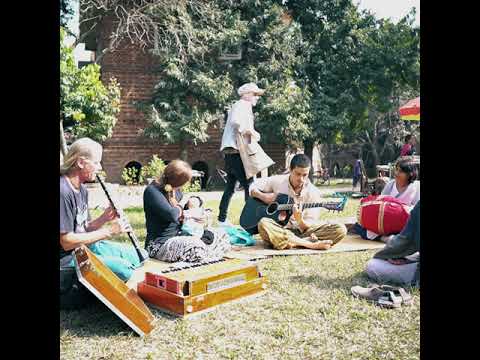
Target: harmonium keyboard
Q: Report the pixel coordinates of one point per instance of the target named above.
(195, 287)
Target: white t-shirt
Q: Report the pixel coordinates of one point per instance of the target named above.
(410, 196)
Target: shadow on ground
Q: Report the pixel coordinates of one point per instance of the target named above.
(329, 282)
(97, 320)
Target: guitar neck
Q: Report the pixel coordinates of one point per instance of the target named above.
(309, 205)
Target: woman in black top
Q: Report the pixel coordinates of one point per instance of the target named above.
(163, 215)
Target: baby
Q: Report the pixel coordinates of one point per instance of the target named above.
(195, 217)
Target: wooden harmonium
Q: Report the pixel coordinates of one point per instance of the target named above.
(112, 291)
(189, 289)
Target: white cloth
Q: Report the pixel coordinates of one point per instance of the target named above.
(410, 196)
(195, 220)
(240, 119)
(280, 184)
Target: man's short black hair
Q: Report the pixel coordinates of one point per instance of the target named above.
(408, 137)
(300, 160)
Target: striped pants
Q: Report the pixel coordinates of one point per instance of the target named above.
(280, 238)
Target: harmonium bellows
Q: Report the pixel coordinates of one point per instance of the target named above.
(197, 287)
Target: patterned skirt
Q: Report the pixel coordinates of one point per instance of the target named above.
(191, 248)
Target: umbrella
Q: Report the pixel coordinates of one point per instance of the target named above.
(411, 110)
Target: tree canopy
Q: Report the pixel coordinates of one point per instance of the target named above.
(87, 106)
(332, 73)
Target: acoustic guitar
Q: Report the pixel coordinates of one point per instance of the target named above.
(280, 210)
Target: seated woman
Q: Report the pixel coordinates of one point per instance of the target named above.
(164, 218)
(405, 187)
(399, 261)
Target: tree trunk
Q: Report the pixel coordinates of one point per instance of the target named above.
(63, 142)
(183, 150)
(374, 158)
(308, 150)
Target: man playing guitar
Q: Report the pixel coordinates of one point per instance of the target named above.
(303, 229)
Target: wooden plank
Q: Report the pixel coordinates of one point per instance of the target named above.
(112, 291)
(161, 298)
(150, 265)
(183, 306)
(213, 299)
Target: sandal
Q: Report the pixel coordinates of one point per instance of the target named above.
(407, 299)
(378, 296)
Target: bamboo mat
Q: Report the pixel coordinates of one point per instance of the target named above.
(349, 243)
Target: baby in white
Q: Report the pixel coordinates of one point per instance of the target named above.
(195, 217)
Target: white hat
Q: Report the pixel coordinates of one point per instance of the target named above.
(250, 87)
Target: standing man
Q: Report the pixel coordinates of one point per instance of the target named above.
(303, 229)
(239, 121)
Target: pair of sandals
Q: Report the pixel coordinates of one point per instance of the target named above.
(387, 296)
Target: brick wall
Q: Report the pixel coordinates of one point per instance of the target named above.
(137, 73)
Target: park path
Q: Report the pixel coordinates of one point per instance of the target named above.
(130, 196)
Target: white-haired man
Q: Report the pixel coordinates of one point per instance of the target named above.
(240, 121)
(80, 165)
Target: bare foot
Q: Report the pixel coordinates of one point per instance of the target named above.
(322, 245)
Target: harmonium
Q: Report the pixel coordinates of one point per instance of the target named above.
(197, 287)
(112, 291)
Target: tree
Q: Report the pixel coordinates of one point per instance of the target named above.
(328, 68)
(195, 89)
(390, 63)
(87, 107)
(66, 12)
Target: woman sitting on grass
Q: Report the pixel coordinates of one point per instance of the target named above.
(164, 218)
(399, 261)
(405, 187)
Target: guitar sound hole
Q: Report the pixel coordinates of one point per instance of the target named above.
(272, 208)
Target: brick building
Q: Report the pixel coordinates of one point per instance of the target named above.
(136, 71)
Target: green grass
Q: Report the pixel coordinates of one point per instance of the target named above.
(307, 313)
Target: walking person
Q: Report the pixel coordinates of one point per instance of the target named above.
(239, 122)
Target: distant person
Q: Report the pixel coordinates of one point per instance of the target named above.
(358, 172)
(240, 120)
(408, 149)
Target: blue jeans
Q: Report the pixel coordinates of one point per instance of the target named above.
(381, 271)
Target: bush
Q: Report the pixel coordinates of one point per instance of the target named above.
(347, 171)
(153, 169)
(192, 186)
(130, 176)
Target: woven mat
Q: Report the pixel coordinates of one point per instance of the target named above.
(349, 243)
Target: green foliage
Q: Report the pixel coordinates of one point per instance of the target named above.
(323, 64)
(88, 108)
(66, 11)
(153, 169)
(192, 186)
(130, 176)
